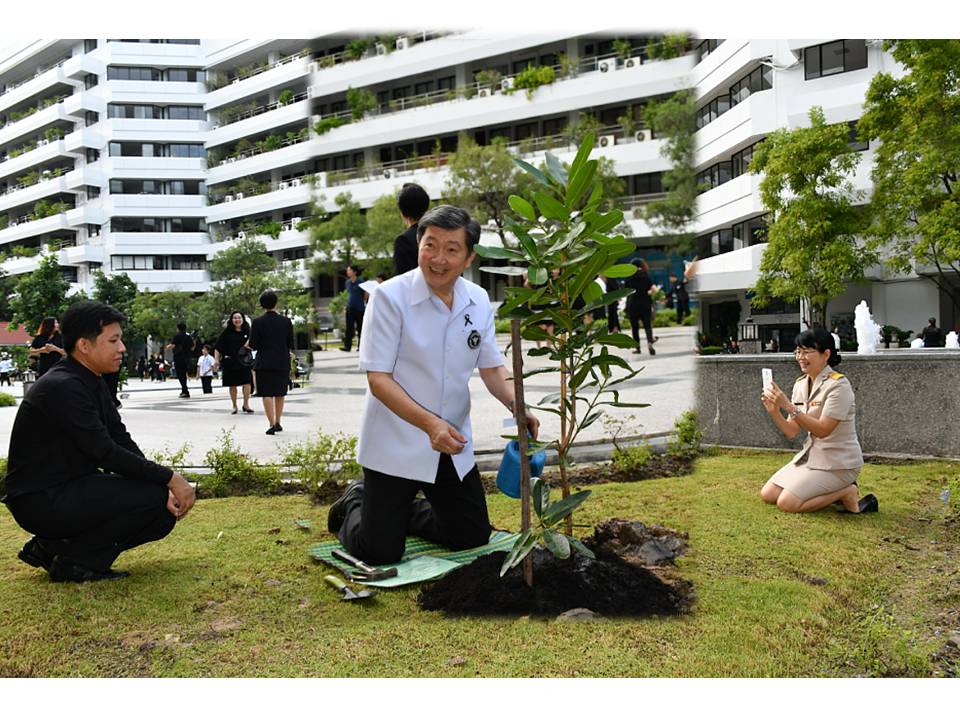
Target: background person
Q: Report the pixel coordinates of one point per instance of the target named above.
(76, 478)
(932, 336)
(640, 304)
(271, 335)
(182, 346)
(47, 346)
(825, 470)
(412, 202)
(355, 307)
(233, 337)
(427, 331)
(205, 370)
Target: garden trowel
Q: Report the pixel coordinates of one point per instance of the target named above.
(348, 594)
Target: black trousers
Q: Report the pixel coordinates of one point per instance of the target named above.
(454, 514)
(638, 314)
(207, 382)
(683, 308)
(91, 520)
(354, 318)
(182, 366)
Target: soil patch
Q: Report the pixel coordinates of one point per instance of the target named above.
(608, 586)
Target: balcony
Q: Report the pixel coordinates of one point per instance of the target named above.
(158, 243)
(43, 78)
(161, 280)
(254, 198)
(265, 157)
(261, 120)
(730, 271)
(259, 80)
(156, 205)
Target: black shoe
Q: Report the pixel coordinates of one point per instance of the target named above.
(652, 351)
(62, 570)
(345, 349)
(869, 503)
(278, 428)
(272, 430)
(184, 395)
(338, 511)
(33, 554)
(248, 411)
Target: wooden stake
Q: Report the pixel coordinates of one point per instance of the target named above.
(520, 413)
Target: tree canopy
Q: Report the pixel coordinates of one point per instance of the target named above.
(813, 249)
(916, 119)
(40, 294)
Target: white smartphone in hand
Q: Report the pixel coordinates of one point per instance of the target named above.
(767, 378)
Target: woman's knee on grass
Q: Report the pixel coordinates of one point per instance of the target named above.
(770, 492)
(788, 502)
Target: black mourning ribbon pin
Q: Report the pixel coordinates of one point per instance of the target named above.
(467, 320)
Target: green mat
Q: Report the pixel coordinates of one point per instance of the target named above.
(422, 560)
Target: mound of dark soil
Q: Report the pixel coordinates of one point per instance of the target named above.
(608, 586)
(636, 543)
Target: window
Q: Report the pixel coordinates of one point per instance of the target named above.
(554, 126)
(521, 65)
(185, 112)
(853, 140)
(741, 160)
(422, 88)
(834, 57)
(647, 183)
(750, 232)
(89, 45)
(759, 79)
(90, 80)
(712, 110)
(185, 150)
(706, 47)
(91, 118)
(183, 75)
(446, 83)
(714, 176)
(132, 73)
(139, 112)
(715, 243)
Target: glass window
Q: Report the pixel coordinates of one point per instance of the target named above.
(831, 58)
(90, 80)
(148, 150)
(175, 187)
(116, 187)
(521, 65)
(853, 140)
(811, 62)
(446, 83)
(834, 57)
(185, 112)
(422, 88)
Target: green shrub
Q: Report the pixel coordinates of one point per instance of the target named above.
(632, 458)
(531, 78)
(173, 459)
(324, 461)
(7, 400)
(892, 335)
(273, 228)
(361, 101)
(688, 434)
(664, 318)
(711, 350)
(286, 97)
(329, 123)
(236, 473)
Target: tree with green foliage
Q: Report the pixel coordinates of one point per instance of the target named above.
(673, 215)
(8, 284)
(40, 294)
(814, 249)
(564, 241)
(916, 174)
(118, 291)
(383, 225)
(482, 178)
(156, 314)
(336, 239)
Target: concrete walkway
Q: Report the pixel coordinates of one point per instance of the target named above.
(334, 399)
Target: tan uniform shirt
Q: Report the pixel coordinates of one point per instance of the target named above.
(832, 396)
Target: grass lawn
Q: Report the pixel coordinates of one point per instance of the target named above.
(250, 602)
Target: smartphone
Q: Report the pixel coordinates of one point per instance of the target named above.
(767, 378)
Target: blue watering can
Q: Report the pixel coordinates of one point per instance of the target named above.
(508, 476)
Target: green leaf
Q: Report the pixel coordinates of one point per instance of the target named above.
(590, 419)
(616, 340)
(556, 543)
(592, 292)
(620, 271)
(580, 182)
(531, 170)
(551, 399)
(529, 246)
(503, 270)
(609, 221)
(521, 548)
(555, 169)
(537, 275)
(540, 495)
(498, 253)
(557, 511)
(583, 152)
(550, 207)
(522, 207)
(580, 547)
(627, 405)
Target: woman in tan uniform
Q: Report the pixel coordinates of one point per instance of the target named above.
(825, 470)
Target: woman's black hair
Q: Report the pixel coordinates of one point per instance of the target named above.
(46, 326)
(821, 340)
(245, 327)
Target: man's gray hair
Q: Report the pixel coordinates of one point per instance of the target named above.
(449, 217)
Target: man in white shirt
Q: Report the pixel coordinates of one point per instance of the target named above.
(424, 333)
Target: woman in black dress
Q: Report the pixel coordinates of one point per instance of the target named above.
(47, 346)
(234, 336)
(640, 305)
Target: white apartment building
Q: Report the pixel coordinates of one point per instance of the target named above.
(150, 156)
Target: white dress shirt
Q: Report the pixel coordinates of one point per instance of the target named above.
(431, 350)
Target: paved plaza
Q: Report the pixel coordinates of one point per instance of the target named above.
(333, 402)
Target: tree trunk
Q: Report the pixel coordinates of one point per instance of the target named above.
(520, 413)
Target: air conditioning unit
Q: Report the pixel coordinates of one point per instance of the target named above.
(642, 135)
(295, 182)
(506, 84)
(381, 49)
(403, 43)
(633, 62)
(294, 222)
(283, 185)
(42, 141)
(228, 198)
(608, 65)
(387, 173)
(485, 92)
(607, 140)
(235, 81)
(241, 235)
(238, 196)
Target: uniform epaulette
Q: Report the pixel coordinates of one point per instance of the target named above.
(836, 375)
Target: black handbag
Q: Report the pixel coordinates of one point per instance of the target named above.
(244, 357)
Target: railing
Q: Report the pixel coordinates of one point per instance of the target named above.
(285, 226)
(286, 142)
(263, 189)
(39, 71)
(328, 61)
(261, 110)
(42, 177)
(633, 203)
(265, 68)
(37, 108)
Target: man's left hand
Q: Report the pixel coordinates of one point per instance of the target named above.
(533, 425)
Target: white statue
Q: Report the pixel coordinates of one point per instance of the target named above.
(869, 334)
(952, 340)
(916, 344)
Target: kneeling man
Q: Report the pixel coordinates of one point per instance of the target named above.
(424, 332)
(76, 479)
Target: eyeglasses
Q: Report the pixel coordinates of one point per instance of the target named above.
(805, 352)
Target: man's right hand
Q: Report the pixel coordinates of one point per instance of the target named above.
(445, 438)
(182, 496)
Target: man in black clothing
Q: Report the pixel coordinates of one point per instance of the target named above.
(182, 345)
(932, 336)
(678, 291)
(271, 335)
(413, 202)
(76, 479)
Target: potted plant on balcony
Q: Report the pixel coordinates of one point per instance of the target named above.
(489, 78)
(286, 97)
(623, 48)
(361, 101)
